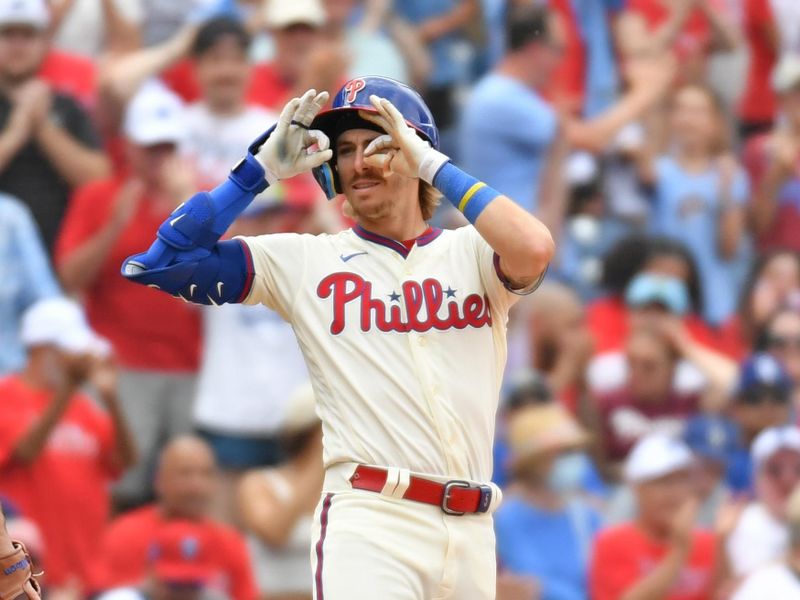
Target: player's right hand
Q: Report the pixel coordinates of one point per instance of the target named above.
(293, 148)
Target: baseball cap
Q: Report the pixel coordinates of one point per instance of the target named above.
(771, 440)
(540, 428)
(762, 372)
(180, 553)
(60, 322)
(24, 12)
(649, 288)
(656, 455)
(301, 410)
(786, 74)
(281, 14)
(154, 116)
(712, 437)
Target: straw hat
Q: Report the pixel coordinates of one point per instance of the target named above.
(540, 429)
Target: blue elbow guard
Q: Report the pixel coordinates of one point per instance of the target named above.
(192, 230)
(224, 275)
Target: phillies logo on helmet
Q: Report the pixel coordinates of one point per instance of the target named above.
(352, 88)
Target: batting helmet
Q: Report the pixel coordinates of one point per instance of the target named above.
(343, 115)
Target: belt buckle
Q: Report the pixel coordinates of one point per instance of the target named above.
(455, 483)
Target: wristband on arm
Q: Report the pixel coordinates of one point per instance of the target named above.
(468, 194)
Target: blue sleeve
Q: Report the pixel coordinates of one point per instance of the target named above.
(526, 123)
(39, 281)
(504, 533)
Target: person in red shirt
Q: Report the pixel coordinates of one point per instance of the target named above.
(757, 104)
(71, 74)
(773, 163)
(184, 486)
(156, 339)
(296, 30)
(661, 555)
(692, 29)
(180, 566)
(610, 318)
(59, 450)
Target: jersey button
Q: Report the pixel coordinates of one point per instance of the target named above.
(422, 340)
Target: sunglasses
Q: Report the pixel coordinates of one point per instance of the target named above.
(784, 342)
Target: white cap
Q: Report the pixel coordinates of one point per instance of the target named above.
(154, 116)
(656, 455)
(769, 441)
(24, 12)
(301, 410)
(786, 74)
(280, 14)
(60, 322)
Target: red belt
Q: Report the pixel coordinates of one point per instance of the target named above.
(454, 497)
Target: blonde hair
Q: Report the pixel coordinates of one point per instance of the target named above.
(429, 199)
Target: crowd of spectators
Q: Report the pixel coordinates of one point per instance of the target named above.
(648, 442)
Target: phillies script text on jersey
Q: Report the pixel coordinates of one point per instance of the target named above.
(348, 287)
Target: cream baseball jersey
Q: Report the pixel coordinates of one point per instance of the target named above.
(405, 349)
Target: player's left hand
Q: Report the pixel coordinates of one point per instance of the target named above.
(400, 150)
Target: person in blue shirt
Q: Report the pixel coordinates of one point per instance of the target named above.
(545, 528)
(513, 138)
(699, 197)
(26, 275)
(441, 24)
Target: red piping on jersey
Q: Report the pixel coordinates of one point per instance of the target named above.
(248, 283)
(323, 523)
(427, 237)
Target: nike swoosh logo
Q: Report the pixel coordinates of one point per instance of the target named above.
(349, 256)
(219, 288)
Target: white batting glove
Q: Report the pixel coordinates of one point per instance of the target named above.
(293, 148)
(400, 150)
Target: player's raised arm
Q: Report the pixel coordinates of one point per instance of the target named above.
(523, 243)
(187, 259)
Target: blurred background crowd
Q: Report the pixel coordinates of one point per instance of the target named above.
(648, 441)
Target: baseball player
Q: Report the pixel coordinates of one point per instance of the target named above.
(403, 327)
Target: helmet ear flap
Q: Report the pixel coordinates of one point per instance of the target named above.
(328, 179)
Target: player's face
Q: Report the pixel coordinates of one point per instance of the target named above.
(223, 72)
(372, 195)
(22, 49)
